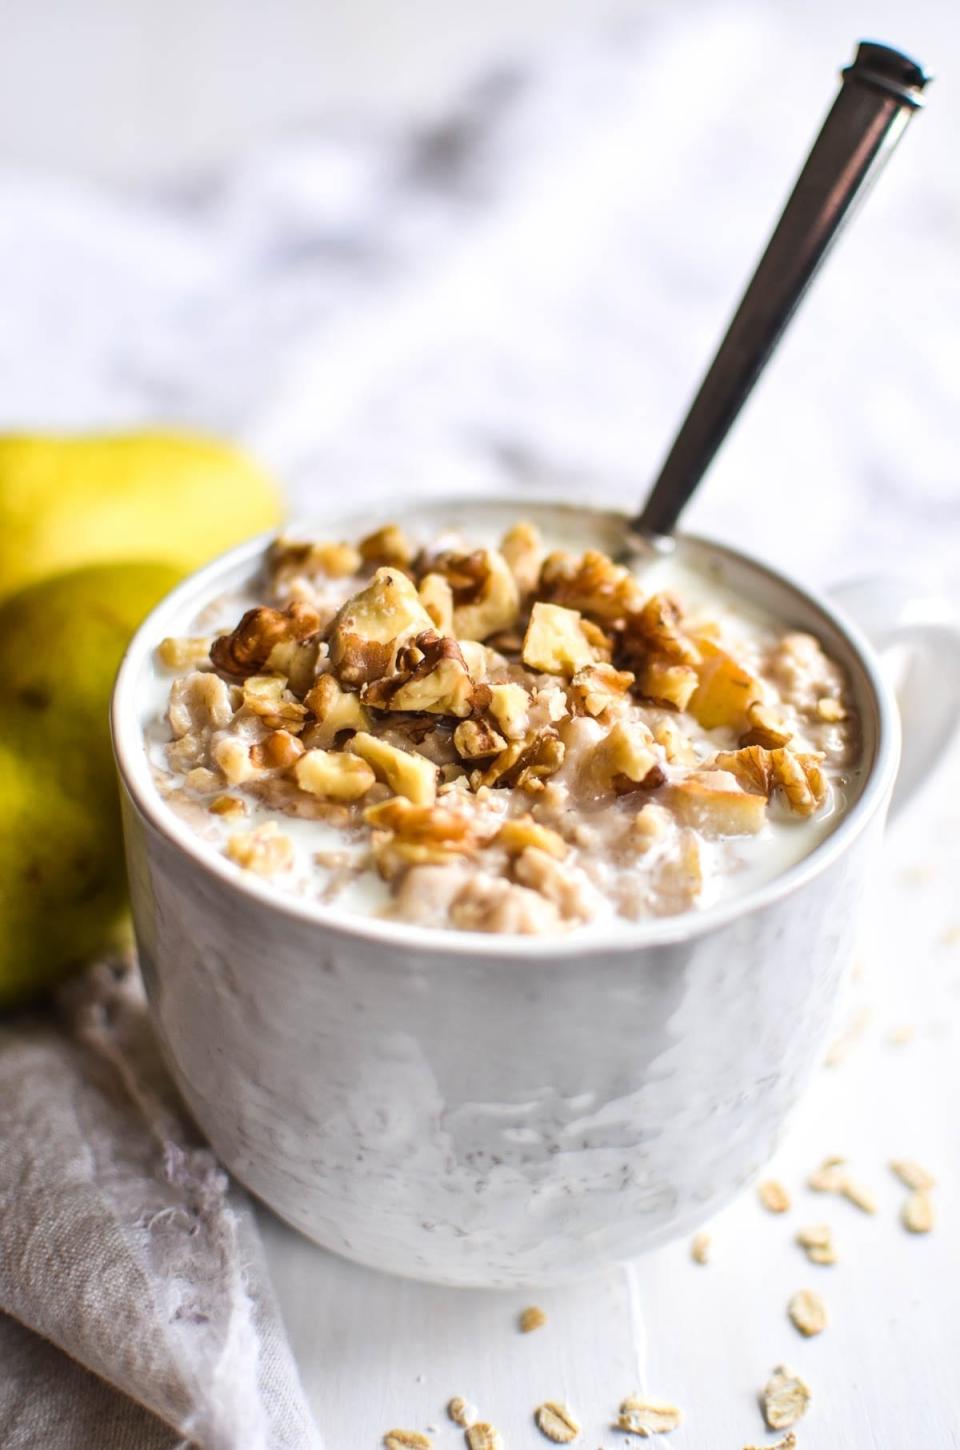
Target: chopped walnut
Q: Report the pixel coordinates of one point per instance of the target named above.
(664, 682)
(232, 756)
(485, 594)
(269, 697)
(526, 764)
(372, 626)
(265, 851)
(626, 759)
(431, 675)
(761, 771)
(712, 803)
(227, 805)
(522, 547)
(657, 629)
(600, 687)
(388, 545)
(183, 654)
(436, 596)
(725, 691)
(405, 773)
(276, 751)
(476, 740)
(418, 835)
(333, 775)
(517, 834)
(560, 641)
(591, 584)
(801, 779)
(531, 1318)
(510, 707)
(765, 728)
(246, 650)
(334, 709)
(291, 559)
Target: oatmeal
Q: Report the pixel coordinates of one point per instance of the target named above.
(499, 739)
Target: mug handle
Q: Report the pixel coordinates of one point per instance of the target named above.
(917, 636)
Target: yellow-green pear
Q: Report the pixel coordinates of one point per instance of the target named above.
(81, 499)
(62, 882)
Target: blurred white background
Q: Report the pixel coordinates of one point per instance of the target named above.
(135, 88)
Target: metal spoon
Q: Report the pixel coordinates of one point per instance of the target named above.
(880, 91)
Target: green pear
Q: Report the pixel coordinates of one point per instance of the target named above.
(62, 881)
(83, 499)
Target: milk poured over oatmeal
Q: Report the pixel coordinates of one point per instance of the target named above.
(498, 735)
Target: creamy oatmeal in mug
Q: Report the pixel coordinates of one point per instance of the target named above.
(504, 737)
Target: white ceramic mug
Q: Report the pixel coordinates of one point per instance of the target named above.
(490, 1110)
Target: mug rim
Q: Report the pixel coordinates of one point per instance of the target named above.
(134, 771)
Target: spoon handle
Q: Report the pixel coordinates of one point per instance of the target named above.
(881, 89)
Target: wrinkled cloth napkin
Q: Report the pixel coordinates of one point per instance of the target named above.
(122, 1243)
(516, 297)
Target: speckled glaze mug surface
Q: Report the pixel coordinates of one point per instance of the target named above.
(483, 1110)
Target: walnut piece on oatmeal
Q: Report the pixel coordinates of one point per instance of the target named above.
(334, 775)
(510, 739)
(560, 641)
(405, 772)
(370, 628)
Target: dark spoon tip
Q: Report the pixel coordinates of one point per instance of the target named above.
(888, 70)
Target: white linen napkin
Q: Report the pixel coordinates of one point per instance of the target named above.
(122, 1243)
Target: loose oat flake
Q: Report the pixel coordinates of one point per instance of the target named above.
(829, 1177)
(700, 1248)
(557, 1422)
(917, 1213)
(913, 1175)
(462, 1412)
(859, 1196)
(531, 1318)
(644, 1416)
(808, 1312)
(406, 1440)
(785, 1398)
(773, 1196)
(817, 1242)
(484, 1437)
(786, 1442)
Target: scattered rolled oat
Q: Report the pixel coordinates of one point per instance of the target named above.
(833, 1177)
(644, 1416)
(700, 1248)
(817, 1242)
(484, 1437)
(462, 1412)
(531, 1318)
(917, 1213)
(807, 1312)
(557, 1421)
(785, 1398)
(773, 1196)
(406, 1440)
(829, 1177)
(912, 1175)
(786, 1442)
